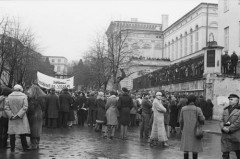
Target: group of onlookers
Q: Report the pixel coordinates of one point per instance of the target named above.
(23, 113)
(229, 63)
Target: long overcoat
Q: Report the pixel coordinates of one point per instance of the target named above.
(158, 129)
(231, 141)
(101, 113)
(65, 100)
(188, 119)
(17, 104)
(125, 104)
(52, 104)
(35, 111)
(111, 110)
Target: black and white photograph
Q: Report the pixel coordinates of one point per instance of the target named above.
(119, 79)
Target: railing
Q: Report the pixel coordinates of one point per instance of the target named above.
(184, 71)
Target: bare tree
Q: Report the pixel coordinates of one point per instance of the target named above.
(120, 53)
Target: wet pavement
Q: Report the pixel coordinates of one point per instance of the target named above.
(85, 143)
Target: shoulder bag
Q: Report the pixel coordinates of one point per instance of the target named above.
(198, 129)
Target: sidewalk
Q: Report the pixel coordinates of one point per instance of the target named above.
(212, 126)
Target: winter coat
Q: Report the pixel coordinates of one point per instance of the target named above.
(111, 110)
(173, 113)
(146, 106)
(91, 103)
(34, 114)
(134, 108)
(188, 118)
(234, 59)
(52, 105)
(2, 111)
(101, 109)
(125, 104)
(158, 129)
(231, 141)
(17, 104)
(65, 100)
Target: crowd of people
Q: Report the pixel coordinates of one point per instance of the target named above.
(25, 112)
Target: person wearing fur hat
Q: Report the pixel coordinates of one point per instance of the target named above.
(230, 126)
(3, 118)
(158, 133)
(16, 106)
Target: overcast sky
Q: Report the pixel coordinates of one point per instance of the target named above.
(68, 27)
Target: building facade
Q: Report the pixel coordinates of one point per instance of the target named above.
(144, 40)
(229, 25)
(60, 64)
(190, 33)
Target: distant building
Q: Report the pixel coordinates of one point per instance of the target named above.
(229, 25)
(60, 64)
(146, 40)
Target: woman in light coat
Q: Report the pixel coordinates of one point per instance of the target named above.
(111, 114)
(158, 133)
(189, 116)
(16, 106)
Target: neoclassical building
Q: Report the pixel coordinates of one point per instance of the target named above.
(60, 64)
(145, 40)
(190, 33)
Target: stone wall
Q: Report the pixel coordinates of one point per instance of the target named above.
(221, 88)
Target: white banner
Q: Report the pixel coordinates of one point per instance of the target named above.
(50, 82)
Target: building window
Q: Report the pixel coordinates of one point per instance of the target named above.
(53, 60)
(226, 5)
(169, 50)
(196, 39)
(181, 46)
(59, 60)
(185, 44)
(191, 41)
(176, 48)
(58, 68)
(226, 38)
(172, 51)
(239, 31)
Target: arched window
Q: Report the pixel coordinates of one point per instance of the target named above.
(181, 46)
(169, 49)
(191, 41)
(196, 39)
(185, 44)
(176, 48)
(172, 57)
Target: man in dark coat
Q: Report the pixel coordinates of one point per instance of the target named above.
(92, 110)
(52, 106)
(202, 103)
(234, 61)
(146, 115)
(225, 62)
(65, 100)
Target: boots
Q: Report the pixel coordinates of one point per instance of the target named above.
(186, 156)
(195, 156)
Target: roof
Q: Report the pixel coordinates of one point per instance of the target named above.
(57, 57)
(187, 14)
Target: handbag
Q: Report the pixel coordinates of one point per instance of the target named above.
(198, 129)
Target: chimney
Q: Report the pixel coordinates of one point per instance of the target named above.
(164, 21)
(134, 19)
